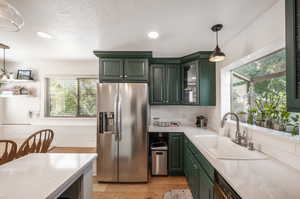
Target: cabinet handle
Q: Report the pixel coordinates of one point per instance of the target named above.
(125, 76)
(121, 76)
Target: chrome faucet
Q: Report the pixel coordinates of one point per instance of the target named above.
(239, 138)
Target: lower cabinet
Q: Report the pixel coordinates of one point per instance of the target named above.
(199, 181)
(176, 142)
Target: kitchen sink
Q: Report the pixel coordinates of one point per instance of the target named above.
(223, 148)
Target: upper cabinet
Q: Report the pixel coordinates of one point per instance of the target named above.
(111, 69)
(136, 69)
(123, 66)
(292, 54)
(165, 84)
(188, 80)
(190, 83)
(207, 83)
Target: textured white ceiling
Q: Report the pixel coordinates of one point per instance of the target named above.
(81, 26)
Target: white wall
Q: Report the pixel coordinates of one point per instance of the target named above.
(68, 132)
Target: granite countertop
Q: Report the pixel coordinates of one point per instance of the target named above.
(251, 179)
(39, 175)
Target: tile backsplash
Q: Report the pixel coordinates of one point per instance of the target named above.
(185, 114)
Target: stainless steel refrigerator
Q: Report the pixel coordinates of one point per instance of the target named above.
(122, 122)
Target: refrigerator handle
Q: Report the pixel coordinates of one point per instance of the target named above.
(116, 114)
(119, 118)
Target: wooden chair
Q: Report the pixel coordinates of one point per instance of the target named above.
(38, 142)
(8, 151)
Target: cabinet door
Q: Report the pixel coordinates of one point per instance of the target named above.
(190, 83)
(111, 69)
(205, 186)
(292, 55)
(157, 84)
(207, 83)
(173, 85)
(136, 70)
(176, 154)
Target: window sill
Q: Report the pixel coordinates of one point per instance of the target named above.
(69, 118)
(270, 132)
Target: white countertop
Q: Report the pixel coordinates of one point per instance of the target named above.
(39, 175)
(251, 179)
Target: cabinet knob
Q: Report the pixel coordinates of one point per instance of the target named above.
(121, 75)
(125, 76)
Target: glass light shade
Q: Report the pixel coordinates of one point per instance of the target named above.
(217, 55)
(10, 18)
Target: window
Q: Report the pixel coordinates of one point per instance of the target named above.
(71, 97)
(258, 94)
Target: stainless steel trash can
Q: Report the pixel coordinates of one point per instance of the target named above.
(159, 153)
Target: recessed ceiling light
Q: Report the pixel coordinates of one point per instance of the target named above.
(153, 35)
(44, 35)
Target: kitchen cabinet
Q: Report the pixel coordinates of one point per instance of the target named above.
(200, 182)
(136, 69)
(111, 69)
(176, 142)
(127, 70)
(292, 55)
(190, 83)
(165, 86)
(207, 83)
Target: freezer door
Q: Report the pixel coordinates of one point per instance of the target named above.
(107, 132)
(133, 165)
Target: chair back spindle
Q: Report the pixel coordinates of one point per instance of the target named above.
(38, 142)
(8, 151)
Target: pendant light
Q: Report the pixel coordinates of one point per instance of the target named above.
(10, 18)
(217, 55)
(4, 76)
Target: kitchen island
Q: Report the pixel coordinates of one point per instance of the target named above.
(47, 175)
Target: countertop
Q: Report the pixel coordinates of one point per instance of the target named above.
(251, 179)
(39, 175)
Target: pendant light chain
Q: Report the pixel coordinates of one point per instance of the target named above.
(217, 37)
(4, 63)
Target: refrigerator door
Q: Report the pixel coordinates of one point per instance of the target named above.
(107, 132)
(133, 141)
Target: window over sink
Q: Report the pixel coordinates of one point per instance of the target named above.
(258, 93)
(71, 97)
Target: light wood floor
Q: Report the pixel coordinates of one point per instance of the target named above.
(155, 189)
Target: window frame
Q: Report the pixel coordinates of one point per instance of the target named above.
(260, 78)
(46, 96)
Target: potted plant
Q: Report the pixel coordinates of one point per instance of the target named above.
(243, 116)
(261, 111)
(294, 123)
(252, 113)
(283, 118)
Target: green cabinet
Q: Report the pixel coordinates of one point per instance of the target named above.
(207, 83)
(157, 84)
(173, 88)
(176, 142)
(190, 83)
(205, 185)
(292, 55)
(111, 69)
(200, 182)
(165, 84)
(127, 70)
(136, 69)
